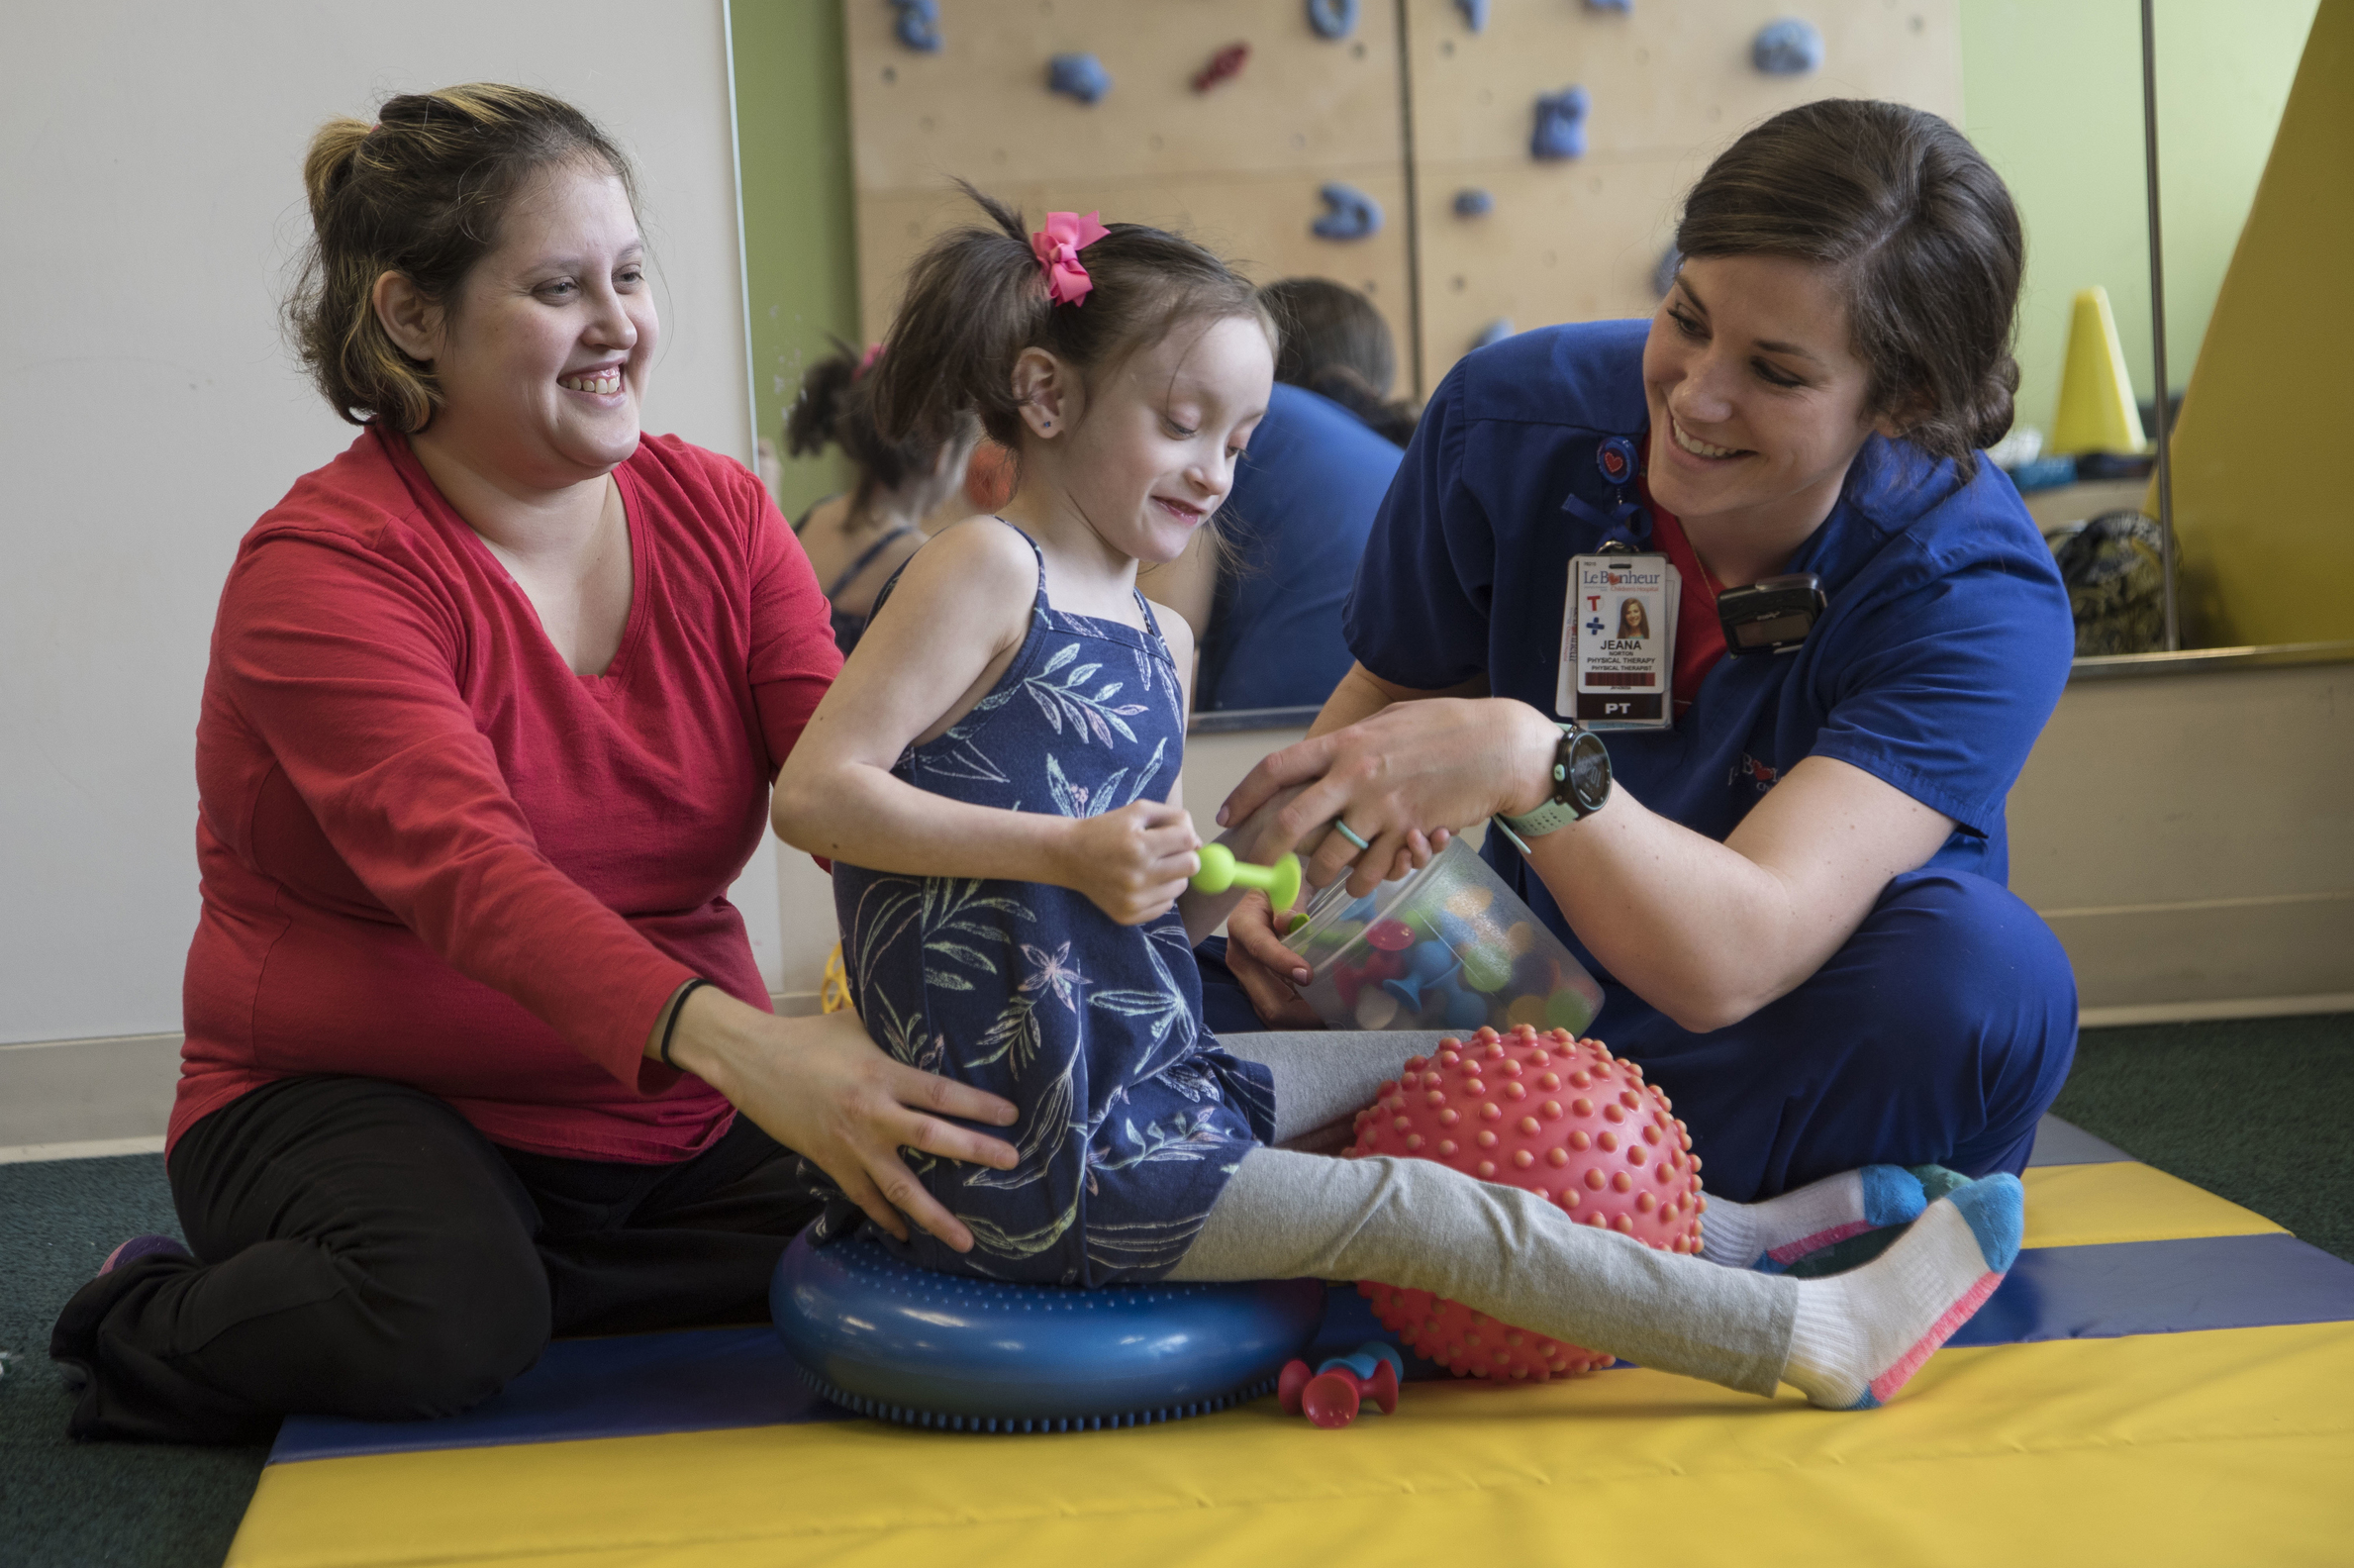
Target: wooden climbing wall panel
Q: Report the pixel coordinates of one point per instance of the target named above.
(1671, 85)
(1237, 167)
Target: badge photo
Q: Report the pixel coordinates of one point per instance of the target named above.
(1617, 642)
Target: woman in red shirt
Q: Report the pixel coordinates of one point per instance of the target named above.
(495, 700)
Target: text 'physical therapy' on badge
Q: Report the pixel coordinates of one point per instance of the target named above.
(1617, 642)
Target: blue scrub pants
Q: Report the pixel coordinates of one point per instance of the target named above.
(1939, 1035)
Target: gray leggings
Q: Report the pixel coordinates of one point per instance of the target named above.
(1415, 1223)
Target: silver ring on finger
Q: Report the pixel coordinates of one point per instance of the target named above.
(1348, 833)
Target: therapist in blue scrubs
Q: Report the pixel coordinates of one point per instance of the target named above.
(1794, 897)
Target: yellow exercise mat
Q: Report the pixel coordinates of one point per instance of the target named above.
(2097, 1205)
(2230, 1447)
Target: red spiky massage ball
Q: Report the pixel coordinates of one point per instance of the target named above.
(1559, 1117)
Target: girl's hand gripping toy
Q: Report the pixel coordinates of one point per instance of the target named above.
(1332, 1393)
(1220, 872)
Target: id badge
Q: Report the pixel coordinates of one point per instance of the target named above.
(1617, 642)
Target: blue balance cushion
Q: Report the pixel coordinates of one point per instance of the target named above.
(903, 1344)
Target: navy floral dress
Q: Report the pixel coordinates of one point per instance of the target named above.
(1132, 1117)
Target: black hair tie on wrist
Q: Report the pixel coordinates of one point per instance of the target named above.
(678, 1005)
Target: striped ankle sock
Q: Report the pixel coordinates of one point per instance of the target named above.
(1859, 1337)
(1775, 1232)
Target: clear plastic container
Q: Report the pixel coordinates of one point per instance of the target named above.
(1447, 946)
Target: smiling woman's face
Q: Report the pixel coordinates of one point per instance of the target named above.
(542, 363)
(1757, 399)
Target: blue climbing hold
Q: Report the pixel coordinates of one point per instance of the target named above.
(1472, 202)
(1788, 47)
(1350, 215)
(1622, 7)
(1663, 275)
(1474, 11)
(1333, 19)
(1561, 124)
(1080, 76)
(1493, 333)
(919, 25)
(901, 1343)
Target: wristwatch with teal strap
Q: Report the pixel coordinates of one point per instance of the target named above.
(1581, 784)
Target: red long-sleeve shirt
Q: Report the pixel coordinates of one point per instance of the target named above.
(433, 853)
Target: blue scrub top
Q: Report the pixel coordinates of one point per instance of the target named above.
(1945, 648)
(1304, 500)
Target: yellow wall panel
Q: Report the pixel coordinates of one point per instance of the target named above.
(2262, 513)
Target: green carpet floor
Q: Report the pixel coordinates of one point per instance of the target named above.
(65, 1504)
(2261, 1112)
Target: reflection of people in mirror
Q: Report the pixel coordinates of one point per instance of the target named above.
(1632, 622)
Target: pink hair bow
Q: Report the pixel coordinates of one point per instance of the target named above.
(866, 361)
(1057, 246)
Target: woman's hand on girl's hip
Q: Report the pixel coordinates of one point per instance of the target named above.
(1422, 767)
(1133, 862)
(823, 1089)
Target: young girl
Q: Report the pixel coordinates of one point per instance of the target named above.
(994, 776)
(855, 541)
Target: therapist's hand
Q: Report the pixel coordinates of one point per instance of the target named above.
(1414, 768)
(821, 1088)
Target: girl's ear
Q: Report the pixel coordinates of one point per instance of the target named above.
(1047, 393)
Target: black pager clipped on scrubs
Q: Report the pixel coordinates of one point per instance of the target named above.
(1772, 614)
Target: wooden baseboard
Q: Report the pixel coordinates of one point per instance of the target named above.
(2211, 1012)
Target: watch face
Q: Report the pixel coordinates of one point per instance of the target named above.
(1589, 772)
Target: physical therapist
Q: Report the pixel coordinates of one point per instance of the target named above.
(1778, 837)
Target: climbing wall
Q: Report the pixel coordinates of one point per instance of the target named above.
(1668, 85)
(1664, 84)
(1238, 167)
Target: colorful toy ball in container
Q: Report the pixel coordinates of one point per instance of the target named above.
(1448, 947)
(1557, 1117)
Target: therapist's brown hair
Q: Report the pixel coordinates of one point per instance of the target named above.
(420, 193)
(1923, 235)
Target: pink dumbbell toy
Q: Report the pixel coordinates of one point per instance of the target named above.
(1334, 1391)
(1221, 871)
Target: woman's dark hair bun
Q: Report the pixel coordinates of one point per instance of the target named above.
(1336, 345)
(1992, 416)
(836, 407)
(812, 422)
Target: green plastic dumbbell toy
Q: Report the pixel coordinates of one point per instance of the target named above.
(1221, 871)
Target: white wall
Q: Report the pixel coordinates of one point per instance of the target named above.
(151, 197)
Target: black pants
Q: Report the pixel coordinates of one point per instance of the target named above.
(361, 1250)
